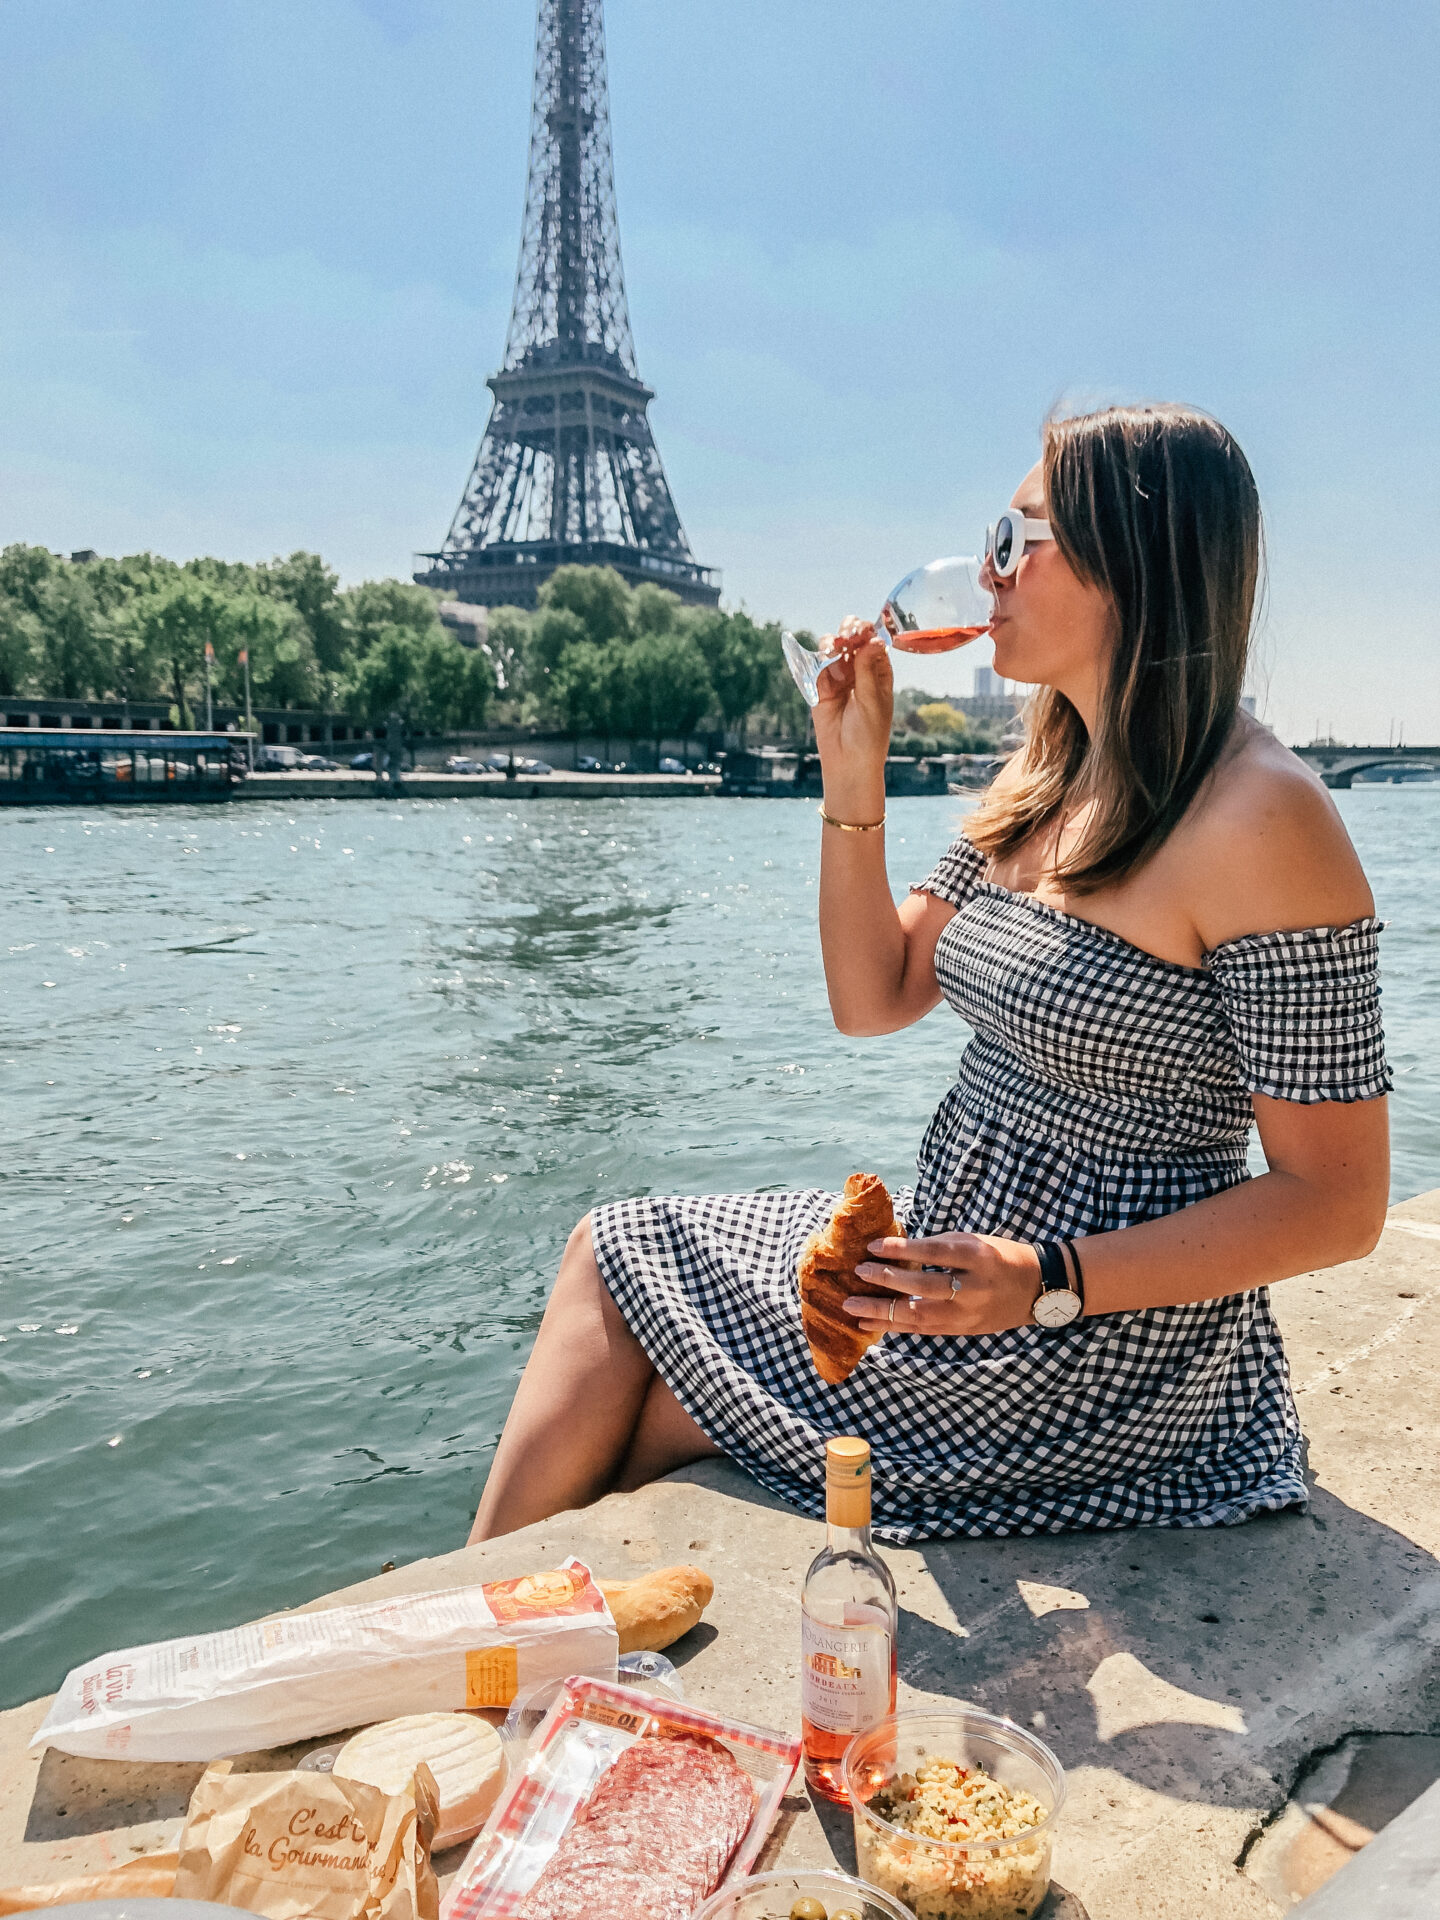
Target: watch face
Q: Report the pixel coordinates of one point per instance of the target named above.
(1057, 1308)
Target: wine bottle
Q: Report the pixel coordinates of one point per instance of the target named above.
(847, 1624)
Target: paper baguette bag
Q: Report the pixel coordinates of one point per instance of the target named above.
(293, 1845)
(305, 1674)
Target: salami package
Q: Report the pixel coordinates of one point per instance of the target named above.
(302, 1674)
(627, 1803)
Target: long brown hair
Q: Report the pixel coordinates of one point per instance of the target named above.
(1157, 507)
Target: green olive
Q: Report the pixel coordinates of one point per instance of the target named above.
(808, 1909)
(844, 1913)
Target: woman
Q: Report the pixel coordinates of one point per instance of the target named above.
(1159, 931)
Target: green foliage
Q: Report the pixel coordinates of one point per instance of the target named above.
(740, 658)
(598, 598)
(171, 627)
(74, 635)
(551, 632)
(431, 681)
(19, 644)
(656, 610)
(507, 638)
(377, 604)
(314, 592)
(597, 657)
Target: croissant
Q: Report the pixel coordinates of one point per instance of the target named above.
(827, 1276)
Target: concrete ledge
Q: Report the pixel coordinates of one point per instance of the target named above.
(344, 785)
(1187, 1679)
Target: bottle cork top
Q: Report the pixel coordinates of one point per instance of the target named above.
(847, 1482)
(846, 1457)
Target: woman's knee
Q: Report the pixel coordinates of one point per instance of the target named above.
(580, 1245)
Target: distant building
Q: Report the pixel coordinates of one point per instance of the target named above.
(469, 624)
(987, 683)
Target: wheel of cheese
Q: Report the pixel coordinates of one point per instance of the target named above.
(464, 1755)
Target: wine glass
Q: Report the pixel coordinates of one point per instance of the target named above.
(933, 610)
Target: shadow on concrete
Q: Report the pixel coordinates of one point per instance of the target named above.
(1206, 1664)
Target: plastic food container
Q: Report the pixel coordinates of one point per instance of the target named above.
(585, 1731)
(770, 1896)
(943, 1879)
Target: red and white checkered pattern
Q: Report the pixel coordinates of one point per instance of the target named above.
(538, 1804)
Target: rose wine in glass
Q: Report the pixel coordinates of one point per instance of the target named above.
(933, 610)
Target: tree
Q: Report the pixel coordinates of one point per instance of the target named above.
(74, 636)
(434, 683)
(172, 626)
(783, 700)
(386, 680)
(284, 671)
(377, 604)
(313, 590)
(598, 598)
(552, 631)
(741, 659)
(24, 569)
(655, 610)
(937, 716)
(669, 689)
(19, 645)
(581, 690)
(507, 643)
(454, 686)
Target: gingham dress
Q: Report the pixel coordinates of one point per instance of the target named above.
(1103, 1086)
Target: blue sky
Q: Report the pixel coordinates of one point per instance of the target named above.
(256, 259)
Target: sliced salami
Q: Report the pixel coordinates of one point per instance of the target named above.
(654, 1838)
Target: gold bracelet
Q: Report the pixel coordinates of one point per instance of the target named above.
(845, 826)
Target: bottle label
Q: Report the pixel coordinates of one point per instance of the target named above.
(845, 1671)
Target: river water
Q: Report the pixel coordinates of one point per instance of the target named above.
(301, 1103)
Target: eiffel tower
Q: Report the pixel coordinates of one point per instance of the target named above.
(568, 470)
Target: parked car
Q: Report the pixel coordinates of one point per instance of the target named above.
(617, 766)
(362, 762)
(278, 759)
(317, 763)
(460, 763)
(587, 763)
(669, 764)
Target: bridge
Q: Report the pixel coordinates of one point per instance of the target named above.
(1337, 765)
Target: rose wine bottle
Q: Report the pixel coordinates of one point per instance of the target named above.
(847, 1624)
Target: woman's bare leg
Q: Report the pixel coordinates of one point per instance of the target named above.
(665, 1438)
(577, 1407)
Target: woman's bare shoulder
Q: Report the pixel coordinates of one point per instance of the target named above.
(1266, 848)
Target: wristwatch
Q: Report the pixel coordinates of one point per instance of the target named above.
(1058, 1302)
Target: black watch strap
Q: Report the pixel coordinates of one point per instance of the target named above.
(1054, 1274)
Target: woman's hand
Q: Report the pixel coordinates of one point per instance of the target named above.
(852, 726)
(988, 1285)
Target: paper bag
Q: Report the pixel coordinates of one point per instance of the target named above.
(292, 1845)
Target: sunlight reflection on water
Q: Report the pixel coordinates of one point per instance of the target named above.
(299, 1127)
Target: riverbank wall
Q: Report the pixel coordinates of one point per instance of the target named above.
(1237, 1708)
(423, 785)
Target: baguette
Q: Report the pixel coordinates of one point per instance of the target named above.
(151, 1877)
(651, 1613)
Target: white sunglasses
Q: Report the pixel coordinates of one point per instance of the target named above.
(1007, 539)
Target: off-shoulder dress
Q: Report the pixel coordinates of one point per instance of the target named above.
(1103, 1086)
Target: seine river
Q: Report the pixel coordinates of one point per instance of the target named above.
(300, 1104)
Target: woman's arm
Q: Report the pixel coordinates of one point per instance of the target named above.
(1322, 1201)
(879, 958)
(1274, 856)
